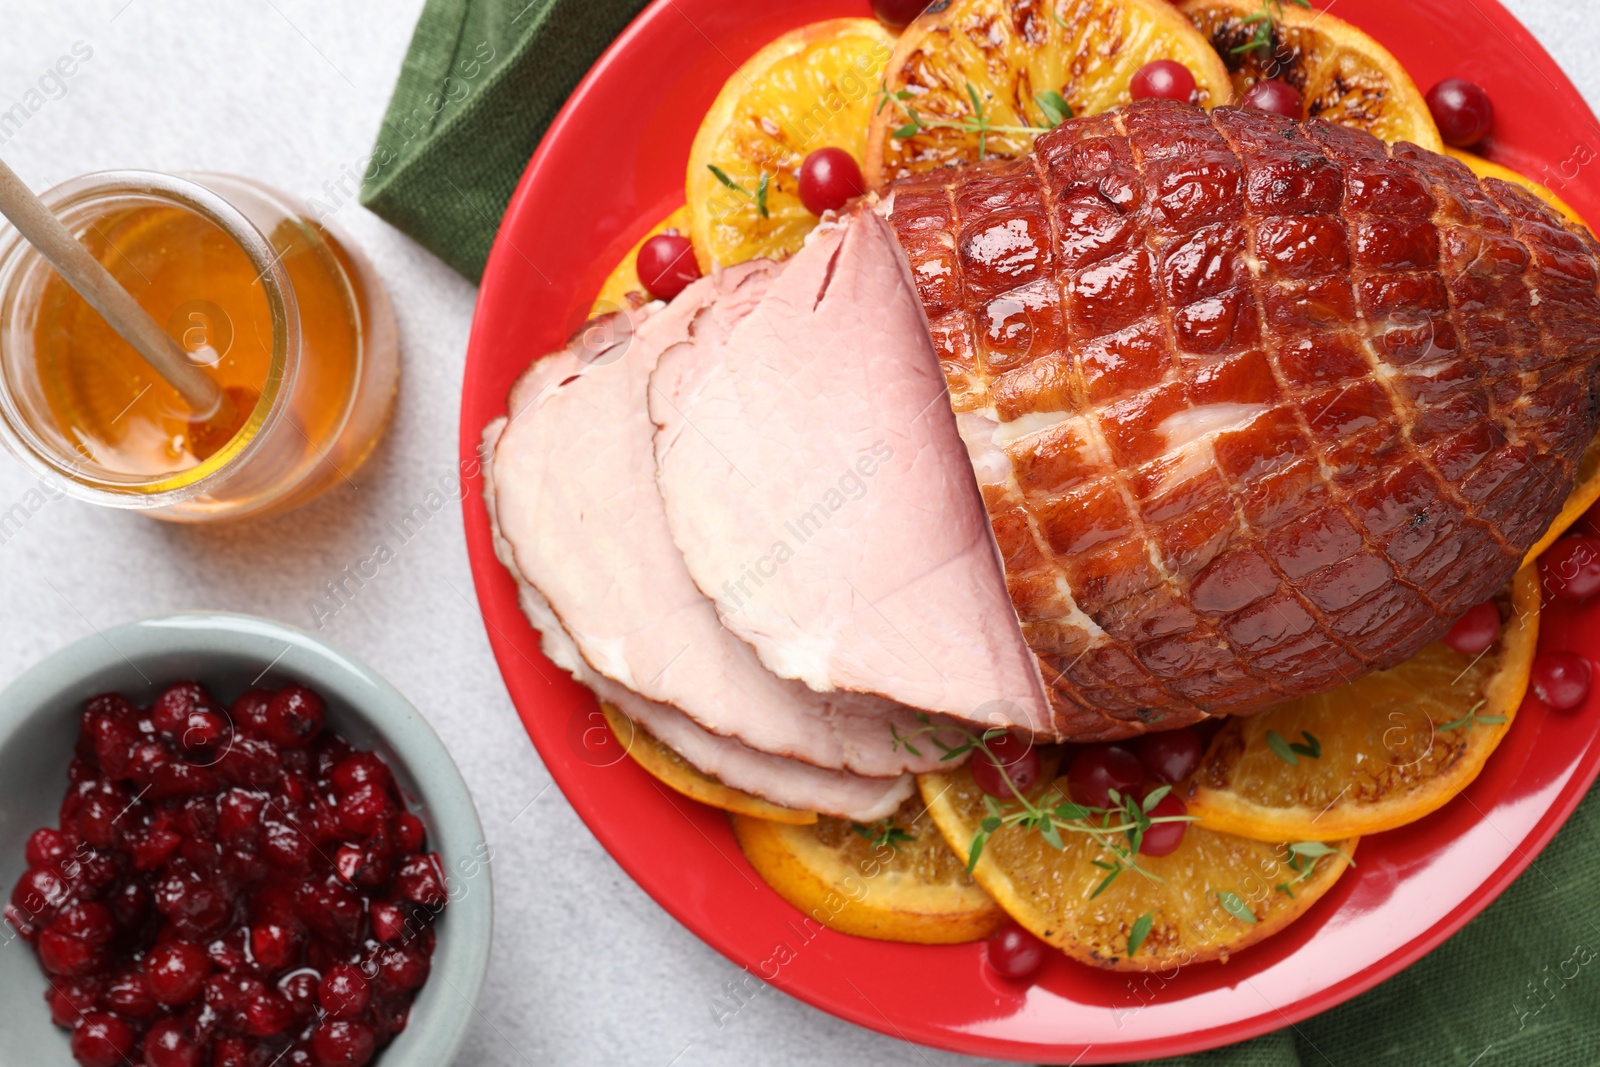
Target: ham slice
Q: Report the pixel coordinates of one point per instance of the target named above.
(815, 482)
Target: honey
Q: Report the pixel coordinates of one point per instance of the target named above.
(276, 308)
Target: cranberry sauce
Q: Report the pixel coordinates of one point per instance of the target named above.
(228, 887)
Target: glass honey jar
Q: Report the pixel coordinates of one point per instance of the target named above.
(276, 307)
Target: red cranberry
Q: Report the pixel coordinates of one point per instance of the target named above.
(234, 1052)
(97, 817)
(168, 1043)
(358, 769)
(151, 852)
(251, 763)
(343, 1043)
(88, 920)
(1475, 631)
(129, 995)
(102, 1040)
(419, 878)
(177, 972)
(332, 910)
(897, 14)
(666, 265)
(195, 904)
(1013, 755)
(409, 833)
(68, 956)
(92, 875)
(1170, 756)
(267, 1014)
(249, 712)
(1015, 953)
(112, 741)
(1278, 97)
(361, 808)
(1164, 838)
(829, 179)
(71, 998)
(1462, 110)
(285, 846)
(1096, 770)
(344, 992)
(1561, 679)
(274, 946)
(40, 893)
(47, 846)
(402, 968)
(25, 927)
(175, 778)
(130, 905)
(300, 990)
(1163, 79)
(388, 921)
(294, 716)
(1571, 568)
(206, 731)
(170, 714)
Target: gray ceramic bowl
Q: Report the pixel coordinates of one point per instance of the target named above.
(228, 653)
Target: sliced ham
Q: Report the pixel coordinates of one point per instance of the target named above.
(782, 781)
(814, 480)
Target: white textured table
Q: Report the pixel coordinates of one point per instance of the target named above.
(587, 969)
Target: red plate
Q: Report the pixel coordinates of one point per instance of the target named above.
(612, 164)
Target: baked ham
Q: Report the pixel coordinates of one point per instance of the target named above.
(1257, 406)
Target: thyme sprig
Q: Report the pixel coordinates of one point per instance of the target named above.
(1052, 105)
(1472, 718)
(1303, 857)
(758, 197)
(883, 832)
(1263, 22)
(1118, 830)
(1291, 751)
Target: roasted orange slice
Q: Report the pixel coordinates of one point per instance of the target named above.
(893, 880)
(1376, 754)
(981, 78)
(622, 288)
(671, 769)
(1579, 501)
(1344, 75)
(812, 88)
(1484, 168)
(1213, 896)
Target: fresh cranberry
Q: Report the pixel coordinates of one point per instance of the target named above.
(249, 712)
(343, 1043)
(266, 1014)
(274, 946)
(1561, 679)
(666, 265)
(1163, 839)
(358, 769)
(361, 808)
(403, 968)
(897, 14)
(294, 716)
(1475, 631)
(1163, 79)
(1096, 770)
(112, 740)
(1007, 757)
(420, 881)
(1278, 97)
(88, 920)
(177, 972)
(129, 995)
(1462, 110)
(170, 714)
(1170, 756)
(1571, 568)
(102, 1040)
(68, 956)
(829, 179)
(47, 846)
(39, 894)
(205, 732)
(409, 833)
(71, 998)
(1015, 953)
(168, 1043)
(344, 992)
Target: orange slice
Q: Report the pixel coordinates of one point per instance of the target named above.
(671, 769)
(622, 288)
(1217, 893)
(1484, 168)
(812, 88)
(1394, 746)
(893, 880)
(1344, 75)
(1010, 56)
(1579, 501)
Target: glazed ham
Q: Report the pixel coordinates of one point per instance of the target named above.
(1256, 406)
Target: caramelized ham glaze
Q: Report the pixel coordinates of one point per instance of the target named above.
(1257, 406)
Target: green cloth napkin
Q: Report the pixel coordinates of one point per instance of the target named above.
(1516, 987)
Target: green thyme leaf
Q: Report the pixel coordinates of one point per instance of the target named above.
(1156, 796)
(1281, 748)
(1105, 883)
(976, 850)
(1311, 851)
(910, 129)
(1311, 748)
(1140, 931)
(1054, 106)
(1234, 905)
(761, 195)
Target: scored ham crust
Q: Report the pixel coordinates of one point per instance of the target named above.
(1257, 406)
